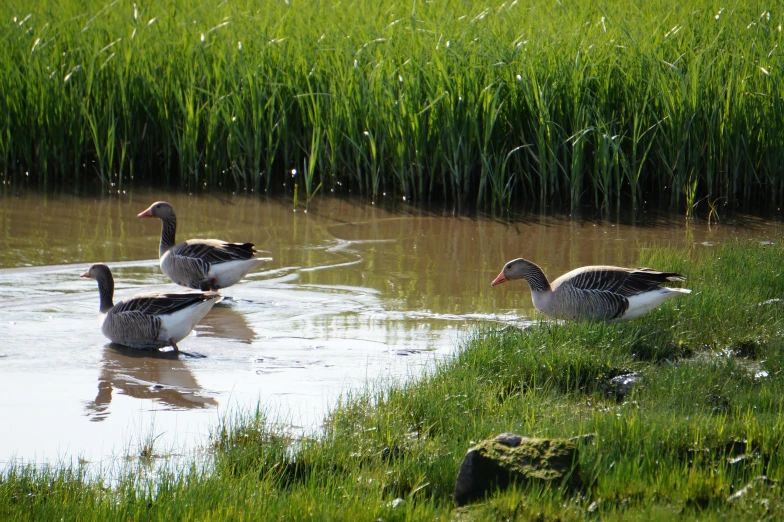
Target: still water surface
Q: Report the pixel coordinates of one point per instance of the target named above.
(355, 294)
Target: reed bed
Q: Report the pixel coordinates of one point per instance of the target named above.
(478, 104)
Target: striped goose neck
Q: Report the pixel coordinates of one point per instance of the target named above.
(106, 292)
(168, 230)
(535, 277)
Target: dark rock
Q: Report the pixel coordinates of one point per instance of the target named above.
(622, 385)
(749, 348)
(508, 458)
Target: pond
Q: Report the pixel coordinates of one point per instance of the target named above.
(355, 294)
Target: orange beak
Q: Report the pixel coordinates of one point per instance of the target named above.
(146, 213)
(500, 279)
(86, 273)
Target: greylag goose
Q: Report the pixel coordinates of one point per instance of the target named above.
(152, 320)
(594, 293)
(204, 264)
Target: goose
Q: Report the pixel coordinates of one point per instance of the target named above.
(203, 264)
(594, 293)
(152, 320)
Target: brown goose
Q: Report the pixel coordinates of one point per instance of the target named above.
(152, 320)
(594, 293)
(204, 264)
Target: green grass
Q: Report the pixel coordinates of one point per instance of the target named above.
(486, 104)
(661, 453)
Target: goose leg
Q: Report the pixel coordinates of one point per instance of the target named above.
(209, 284)
(188, 354)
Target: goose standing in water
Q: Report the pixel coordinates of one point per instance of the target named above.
(203, 264)
(594, 293)
(152, 320)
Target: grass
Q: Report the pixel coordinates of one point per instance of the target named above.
(490, 105)
(706, 420)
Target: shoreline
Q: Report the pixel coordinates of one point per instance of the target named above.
(712, 378)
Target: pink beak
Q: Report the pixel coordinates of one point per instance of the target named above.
(146, 213)
(85, 274)
(500, 279)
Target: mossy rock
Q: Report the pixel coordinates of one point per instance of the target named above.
(509, 458)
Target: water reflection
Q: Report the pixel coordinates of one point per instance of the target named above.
(145, 374)
(354, 293)
(226, 322)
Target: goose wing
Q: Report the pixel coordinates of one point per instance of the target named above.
(625, 282)
(132, 327)
(157, 304)
(597, 304)
(214, 251)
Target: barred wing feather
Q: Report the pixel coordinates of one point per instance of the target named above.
(162, 304)
(624, 281)
(214, 251)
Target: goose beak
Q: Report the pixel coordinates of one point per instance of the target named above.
(500, 279)
(85, 274)
(146, 213)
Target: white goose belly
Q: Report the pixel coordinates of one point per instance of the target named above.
(643, 303)
(230, 272)
(179, 324)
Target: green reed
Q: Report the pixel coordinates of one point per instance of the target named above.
(478, 104)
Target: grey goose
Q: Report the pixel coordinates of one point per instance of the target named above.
(594, 293)
(203, 264)
(151, 320)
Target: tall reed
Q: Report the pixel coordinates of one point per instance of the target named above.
(479, 104)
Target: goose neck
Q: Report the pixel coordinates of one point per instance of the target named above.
(168, 231)
(536, 278)
(106, 293)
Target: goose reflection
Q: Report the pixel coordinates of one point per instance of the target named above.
(227, 323)
(142, 374)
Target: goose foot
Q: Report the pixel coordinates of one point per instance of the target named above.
(193, 354)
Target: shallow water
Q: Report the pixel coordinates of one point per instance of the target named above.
(355, 293)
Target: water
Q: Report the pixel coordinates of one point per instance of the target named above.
(355, 294)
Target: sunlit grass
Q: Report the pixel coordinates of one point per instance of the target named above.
(494, 104)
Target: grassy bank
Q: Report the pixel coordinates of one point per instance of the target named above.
(567, 102)
(705, 421)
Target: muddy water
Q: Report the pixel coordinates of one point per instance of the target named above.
(355, 293)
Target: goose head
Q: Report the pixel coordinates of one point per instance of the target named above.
(103, 275)
(99, 272)
(159, 209)
(512, 270)
(522, 269)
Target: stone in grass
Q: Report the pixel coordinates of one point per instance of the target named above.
(509, 458)
(622, 385)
